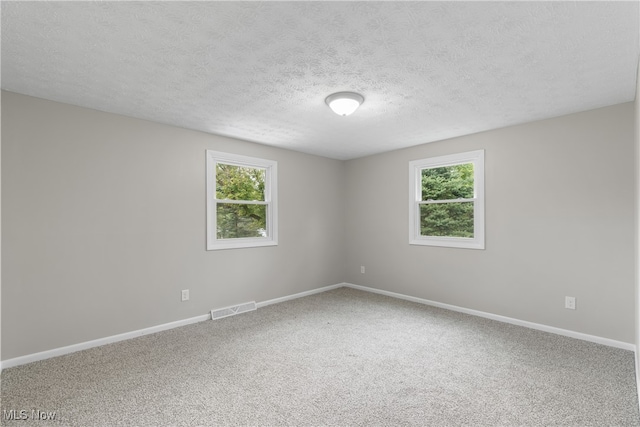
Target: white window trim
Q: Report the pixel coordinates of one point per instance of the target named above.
(415, 196)
(270, 196)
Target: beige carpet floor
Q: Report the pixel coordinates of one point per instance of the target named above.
(343, 357)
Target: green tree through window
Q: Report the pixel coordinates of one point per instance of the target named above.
(446, 212)
(446, 202)
(242, 201)
(245, 186)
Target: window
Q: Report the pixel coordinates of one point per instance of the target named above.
(241, 201)
(447, 201)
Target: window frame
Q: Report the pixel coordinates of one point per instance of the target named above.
(415, 199)
(270, 200)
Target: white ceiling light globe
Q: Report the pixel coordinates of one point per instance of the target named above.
(344, 103)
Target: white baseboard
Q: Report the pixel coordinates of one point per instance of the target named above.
(16, 361)
(531, 325)
(22, 360)
(299, 295)
(9, 363)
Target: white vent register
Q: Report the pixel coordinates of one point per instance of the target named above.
(233, 310)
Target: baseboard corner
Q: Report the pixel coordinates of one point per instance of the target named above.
(531, 325)
(299, 295)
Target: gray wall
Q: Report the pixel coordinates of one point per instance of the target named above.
(559, 221)
(0, 238)
(637, 224)
(104, 224)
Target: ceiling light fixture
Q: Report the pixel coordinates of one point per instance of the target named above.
(344, 103)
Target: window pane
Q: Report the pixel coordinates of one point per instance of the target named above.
(447, 183)
(239, 182)
(447, 219)
(236, 220)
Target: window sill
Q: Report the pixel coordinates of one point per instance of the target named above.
(448, 243)
(240, 243)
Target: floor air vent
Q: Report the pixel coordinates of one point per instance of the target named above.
(230, 311)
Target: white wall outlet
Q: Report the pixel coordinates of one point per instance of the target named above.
(185, 295)
(570, 303)
(362, 269)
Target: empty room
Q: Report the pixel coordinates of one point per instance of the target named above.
(319, 213)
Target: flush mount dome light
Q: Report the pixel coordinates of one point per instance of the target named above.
(344, 103)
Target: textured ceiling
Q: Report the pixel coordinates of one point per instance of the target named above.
(260, 71)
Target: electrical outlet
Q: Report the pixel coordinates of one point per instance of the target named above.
(570, 303)
(362, 269)
(185, 295)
